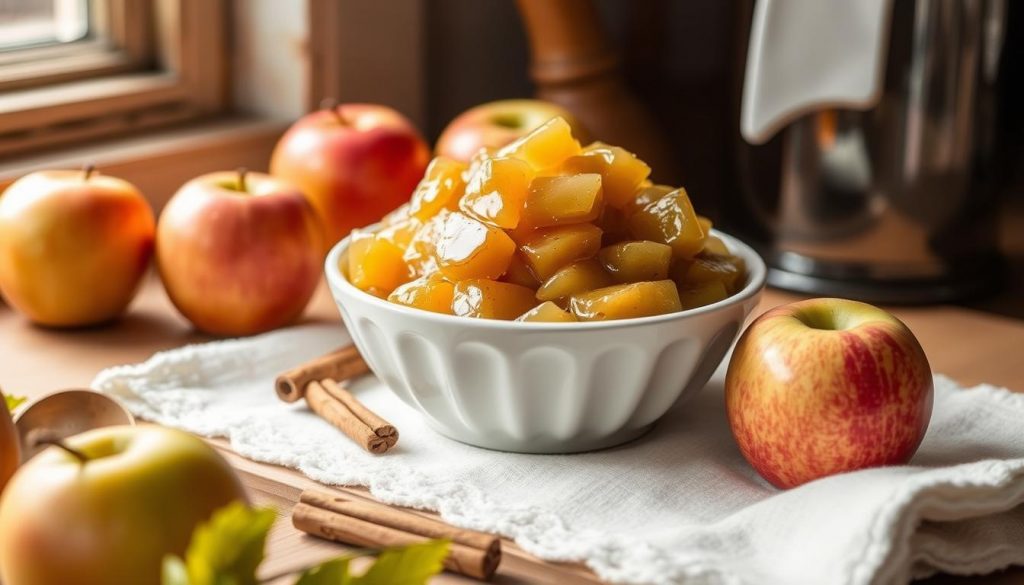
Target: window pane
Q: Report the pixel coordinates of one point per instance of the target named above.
(30, 23)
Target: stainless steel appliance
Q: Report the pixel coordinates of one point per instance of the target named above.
(894, 202)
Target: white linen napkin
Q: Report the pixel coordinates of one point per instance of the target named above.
(679, 505)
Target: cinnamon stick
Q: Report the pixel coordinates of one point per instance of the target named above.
(341, 364)
(373, 530)
(399, 519)
(338, 407)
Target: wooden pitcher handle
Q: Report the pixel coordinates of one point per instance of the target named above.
(573, 65)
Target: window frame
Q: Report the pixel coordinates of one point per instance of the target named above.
(153, 63)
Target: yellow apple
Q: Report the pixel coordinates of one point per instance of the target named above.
(239, 253)
(110, 517)
(73, 246)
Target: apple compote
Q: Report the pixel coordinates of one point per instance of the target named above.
(544, 230)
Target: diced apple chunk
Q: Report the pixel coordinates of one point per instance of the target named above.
(551, 249)
(670, 220)
(563, 200)
(467, 248)
(715, 245)
(421, 253)
(441, 188)
(647, 195)
(621, 171)
(519, 273)
(430, 293)
(496, 192)
(614, 224)
(490, 299)
(401, 232)
(697, 295)
(576, 278)
(545, 147)
(636, 261)
(705, 268)
(547, 312)
(375, 263)
(626, 301)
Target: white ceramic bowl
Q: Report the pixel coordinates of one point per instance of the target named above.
(542, 387)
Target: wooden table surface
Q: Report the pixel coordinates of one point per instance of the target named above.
(970, 346)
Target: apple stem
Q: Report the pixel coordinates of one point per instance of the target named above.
(242, 172)
(88, 169)
(44, 437)
(331, 105)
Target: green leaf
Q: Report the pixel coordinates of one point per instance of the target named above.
(408, 565)
(227, 549)
(13, 401)
(174, 571)
(333, 572)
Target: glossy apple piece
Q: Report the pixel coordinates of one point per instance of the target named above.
(491, 299)
(826, 386)
(401, 232)
(693, 295)
(726, 269)
(646, 195)
(376, 263)
(576, 278)
(496, 192)
(621, 171)
(626, 301)
(519, 273)
(467, 248)
(421, 252)
(137, 496)
(548, 250)
(74, 246)
(563, 200)
(547, 312)
(355, 163)
(430, 293)
(636, 261)
(546, 147)
(493, 125)
(440, 188)
(670, 220)
(614, 224)
(239, 255)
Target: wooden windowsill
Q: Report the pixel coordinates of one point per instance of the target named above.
(160, 162)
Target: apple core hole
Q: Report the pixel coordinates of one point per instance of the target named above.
(512, 121)
(822, 319)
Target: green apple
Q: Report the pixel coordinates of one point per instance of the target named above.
(106, 509)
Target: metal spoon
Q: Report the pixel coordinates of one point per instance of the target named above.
(67, 413)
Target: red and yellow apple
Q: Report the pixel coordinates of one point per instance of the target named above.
(495, 124)
(73, 246)
(825, 386)
(110, 517)
(10, 451)
(355, 163)
(239, 253)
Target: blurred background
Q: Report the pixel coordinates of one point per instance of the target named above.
(917, 198)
